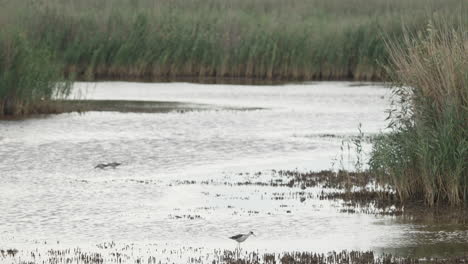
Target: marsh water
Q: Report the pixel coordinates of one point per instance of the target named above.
(178, 185)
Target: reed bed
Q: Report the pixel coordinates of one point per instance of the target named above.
(425, 154)
(265, 39)
(269, 40)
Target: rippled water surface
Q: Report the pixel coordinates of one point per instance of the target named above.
(174, 184)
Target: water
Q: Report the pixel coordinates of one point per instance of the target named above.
(51, 192)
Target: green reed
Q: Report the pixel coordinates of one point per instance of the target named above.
(425, 154)
(264, 39)
(29, 77)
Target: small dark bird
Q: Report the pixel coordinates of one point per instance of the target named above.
(105, 165)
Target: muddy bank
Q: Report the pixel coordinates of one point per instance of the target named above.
(195, 79)
(122, 106)
(125, 106)
(106, 74)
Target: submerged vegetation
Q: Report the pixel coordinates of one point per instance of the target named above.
(425, 154)
(199, 256)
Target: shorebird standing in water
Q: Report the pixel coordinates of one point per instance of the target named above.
(241, 237)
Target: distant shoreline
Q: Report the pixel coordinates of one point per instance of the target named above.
(122, 106)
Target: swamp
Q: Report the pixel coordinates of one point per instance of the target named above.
(138, 131)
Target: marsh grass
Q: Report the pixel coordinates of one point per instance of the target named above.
(265, 39)
(200, 256)
(29, 77)
(425, 154)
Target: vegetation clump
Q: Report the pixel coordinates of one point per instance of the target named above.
(29, 77)
(425, 154)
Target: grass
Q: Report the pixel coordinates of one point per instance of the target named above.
(425, 154)
(264, 39)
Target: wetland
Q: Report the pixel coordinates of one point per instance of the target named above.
(201, 162)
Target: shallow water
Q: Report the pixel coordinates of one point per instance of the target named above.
(51, 192)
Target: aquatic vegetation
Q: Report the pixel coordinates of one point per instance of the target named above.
(424, 155)
(198, 255)
(29, 77)
(267, 39)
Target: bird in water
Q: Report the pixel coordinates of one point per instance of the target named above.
(241, 237)
(105, 165)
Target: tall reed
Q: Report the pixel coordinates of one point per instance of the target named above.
(29, 77)
(426, 154)
(266, 39)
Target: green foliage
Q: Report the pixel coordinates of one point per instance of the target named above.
(28, 76)
(267, 39)
(425, 154)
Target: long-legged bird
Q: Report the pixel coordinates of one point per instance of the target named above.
(241, 237)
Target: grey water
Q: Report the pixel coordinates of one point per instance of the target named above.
(173, 189)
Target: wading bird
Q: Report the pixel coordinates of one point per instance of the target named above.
(241, 237)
